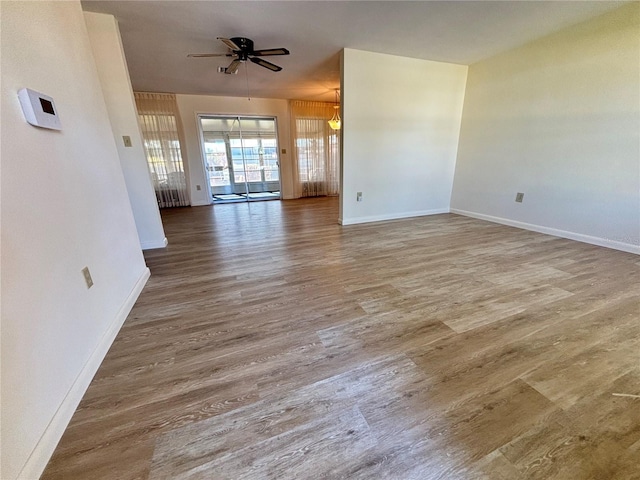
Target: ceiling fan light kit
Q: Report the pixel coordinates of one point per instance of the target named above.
(223, 70)
(242, 49)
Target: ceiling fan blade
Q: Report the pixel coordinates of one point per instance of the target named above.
(265, 64)
(229, 43)
(193, 55)
(270, 51)
(233, 67)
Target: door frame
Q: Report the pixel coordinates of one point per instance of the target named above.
(239, 117)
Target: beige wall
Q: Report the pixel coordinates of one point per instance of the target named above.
(64, 207)
(116, 87)
(559, 120)
(192, 105)
(401, 119)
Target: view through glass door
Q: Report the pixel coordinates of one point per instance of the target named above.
(241, 157)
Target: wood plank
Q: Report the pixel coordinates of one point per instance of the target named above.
(272, 343)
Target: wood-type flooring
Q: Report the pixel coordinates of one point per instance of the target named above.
(273, 343)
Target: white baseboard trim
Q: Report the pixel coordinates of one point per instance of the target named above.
(391, 216)
(579, 237)
(155, 244)
(43, 450)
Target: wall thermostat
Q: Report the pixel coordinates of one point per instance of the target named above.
(39, 109)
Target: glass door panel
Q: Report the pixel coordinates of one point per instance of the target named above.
(269, 160)
(241, 157)
(216, 162)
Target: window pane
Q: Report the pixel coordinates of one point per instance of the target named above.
(216, 162)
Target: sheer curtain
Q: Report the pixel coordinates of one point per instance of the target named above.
(317, 149)
(158, 116)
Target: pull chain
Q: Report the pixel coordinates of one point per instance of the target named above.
(246, 74)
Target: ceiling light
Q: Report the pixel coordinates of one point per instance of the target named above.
(335, 123)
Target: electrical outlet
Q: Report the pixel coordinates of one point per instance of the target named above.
(87, 277)
(198, 187)
(519, 197)
(127, 141)
(284, 151)
(358, 196)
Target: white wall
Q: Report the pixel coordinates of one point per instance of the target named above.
(401, 120)
(116, 87)
(64, 207)
(192, 105)
(559, 120)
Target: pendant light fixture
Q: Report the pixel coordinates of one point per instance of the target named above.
(335, 123)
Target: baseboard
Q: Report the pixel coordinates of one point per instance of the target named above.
(579, 237)
(151, 245)
(391, 216)
(43, 450)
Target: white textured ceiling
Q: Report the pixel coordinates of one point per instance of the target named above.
(158, 35)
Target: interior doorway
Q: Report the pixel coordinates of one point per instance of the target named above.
(241, 157)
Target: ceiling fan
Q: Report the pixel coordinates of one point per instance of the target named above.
(242, 49)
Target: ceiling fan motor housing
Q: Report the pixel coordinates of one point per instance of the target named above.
(246, 47)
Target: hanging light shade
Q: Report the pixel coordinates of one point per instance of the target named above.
(335, 123)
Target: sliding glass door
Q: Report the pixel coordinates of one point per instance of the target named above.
(241, 157)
